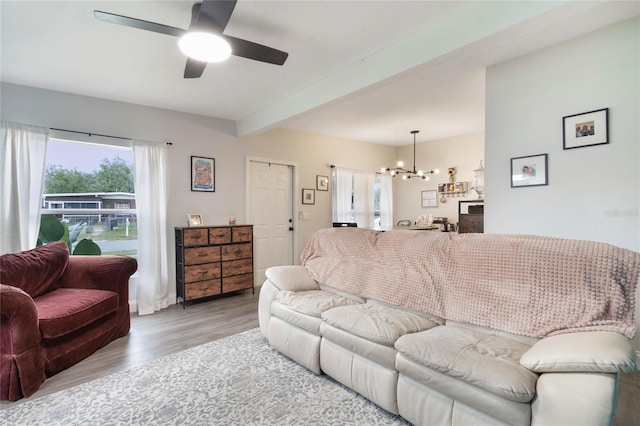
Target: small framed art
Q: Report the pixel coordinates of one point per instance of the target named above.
(308, 196)
(529, 171)
(429, 199)
(195, 219)
(203, 174)
(322, 183)
(586, 129)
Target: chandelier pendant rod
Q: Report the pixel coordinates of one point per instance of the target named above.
(414, 132)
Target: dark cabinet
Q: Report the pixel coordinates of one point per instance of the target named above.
(471, 216)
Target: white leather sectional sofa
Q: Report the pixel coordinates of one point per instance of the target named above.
(447, 329)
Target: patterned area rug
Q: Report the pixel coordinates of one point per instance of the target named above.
(238, 380)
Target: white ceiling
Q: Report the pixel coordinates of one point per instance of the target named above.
(362, 70)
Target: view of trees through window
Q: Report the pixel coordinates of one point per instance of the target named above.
(91, 188)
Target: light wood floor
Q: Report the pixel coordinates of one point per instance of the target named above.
(175, 329)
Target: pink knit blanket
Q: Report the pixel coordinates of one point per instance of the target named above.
(524, 284)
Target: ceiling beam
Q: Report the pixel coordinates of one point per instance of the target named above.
(452, 36)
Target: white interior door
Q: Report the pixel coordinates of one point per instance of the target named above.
(270, 210)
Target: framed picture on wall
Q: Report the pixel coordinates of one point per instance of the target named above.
(308, 196)
(322, 183)
(529, 171)
(586, 129)
(429, 198)
(203, 174)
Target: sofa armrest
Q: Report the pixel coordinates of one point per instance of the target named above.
(589, 351)
(19, 320)
(291, 278)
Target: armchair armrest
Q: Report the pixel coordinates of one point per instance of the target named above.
(99, 272)
(19, 320)
(22, 359)
(291, 278)
(589, 351)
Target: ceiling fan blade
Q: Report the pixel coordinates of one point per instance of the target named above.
(194, 68)
(255, 51)
(138, 23)
(215, 14)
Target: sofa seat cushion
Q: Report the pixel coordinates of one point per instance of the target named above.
(379, 322)
(487, 359)
(304, 308)
(65, 310)
(313, 302)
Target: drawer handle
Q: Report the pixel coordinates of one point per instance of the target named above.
(203, 254)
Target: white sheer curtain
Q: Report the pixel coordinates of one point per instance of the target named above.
(150, 166)
(22, 156)
(343, 207)
(363, 198)
(386, 201)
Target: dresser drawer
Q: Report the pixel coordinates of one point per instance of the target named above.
(207, 271)
(195, 256)
(237, 267)
(238, 282)
(237, 251)
(196, 237)
(241, 234)
(202, 289)
(219, 235)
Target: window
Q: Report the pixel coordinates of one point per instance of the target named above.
(90, 187)
(361, 197)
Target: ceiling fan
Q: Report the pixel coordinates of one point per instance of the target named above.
(208, 21)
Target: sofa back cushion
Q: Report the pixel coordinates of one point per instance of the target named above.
(35, 271)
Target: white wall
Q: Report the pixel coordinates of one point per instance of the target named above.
(314, 154)
(593, 192)
(202, 136)
(462, 152)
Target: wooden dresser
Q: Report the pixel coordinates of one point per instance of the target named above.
(213, 260)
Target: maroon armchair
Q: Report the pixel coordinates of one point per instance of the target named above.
(56, 310)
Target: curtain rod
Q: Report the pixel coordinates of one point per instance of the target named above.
(97, 134)
(333, 166)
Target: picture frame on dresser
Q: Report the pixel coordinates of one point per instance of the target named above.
(203, 174)
(194, 219)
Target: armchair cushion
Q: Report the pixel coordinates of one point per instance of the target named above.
(35, 271)
(65, 310)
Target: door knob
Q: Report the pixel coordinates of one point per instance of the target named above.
(291, 228)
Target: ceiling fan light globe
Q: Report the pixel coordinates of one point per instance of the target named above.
(205, 47)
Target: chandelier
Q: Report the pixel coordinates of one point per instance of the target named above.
(408, 174)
